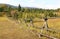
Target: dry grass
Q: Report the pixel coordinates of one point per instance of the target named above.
(9, 30)
(3, 19)
(53, 24)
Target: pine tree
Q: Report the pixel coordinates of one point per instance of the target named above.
(19, 8)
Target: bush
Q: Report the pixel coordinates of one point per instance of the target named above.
(1, 9)
(52, 15)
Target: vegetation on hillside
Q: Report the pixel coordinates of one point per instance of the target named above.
(25, 23)
(29, 12)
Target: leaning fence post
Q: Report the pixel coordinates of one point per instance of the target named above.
(46, 24)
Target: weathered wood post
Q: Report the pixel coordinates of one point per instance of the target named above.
(45, 23)
(31, 22)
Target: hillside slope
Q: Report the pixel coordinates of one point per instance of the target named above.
(9, 30)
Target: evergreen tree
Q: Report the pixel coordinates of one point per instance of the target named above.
(19, 8)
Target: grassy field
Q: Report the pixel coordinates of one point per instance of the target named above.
(11, 30)
(54, 24)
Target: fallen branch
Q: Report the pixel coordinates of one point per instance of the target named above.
(48, 36)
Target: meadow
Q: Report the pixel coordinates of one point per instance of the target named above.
(15, 23)
(13, 30)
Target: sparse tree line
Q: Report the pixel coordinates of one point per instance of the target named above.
(20, 12)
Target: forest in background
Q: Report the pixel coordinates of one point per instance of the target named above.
(27, 12)
(31, 28)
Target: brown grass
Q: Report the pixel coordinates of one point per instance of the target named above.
(9, 30)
